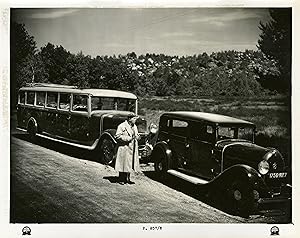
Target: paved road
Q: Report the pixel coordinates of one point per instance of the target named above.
(56, 184)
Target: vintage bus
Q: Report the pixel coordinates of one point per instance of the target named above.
(85, 118)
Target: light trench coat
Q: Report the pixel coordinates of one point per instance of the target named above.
(124, 160)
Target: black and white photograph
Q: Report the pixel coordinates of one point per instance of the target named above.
(151, 117)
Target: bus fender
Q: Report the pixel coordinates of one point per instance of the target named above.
(34, 122)
(110, 133)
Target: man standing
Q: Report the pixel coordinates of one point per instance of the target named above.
(127, 155)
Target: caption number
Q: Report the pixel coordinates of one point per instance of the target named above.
(152, 228)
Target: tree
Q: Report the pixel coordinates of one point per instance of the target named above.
(22, 51)
(54, 60)
(276, 41)
(78, 70)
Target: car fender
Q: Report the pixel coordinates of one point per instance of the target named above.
(240, 172)
(163, 147)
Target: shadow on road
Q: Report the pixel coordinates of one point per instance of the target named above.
(204, 194)
(113, 179)
(59, 147)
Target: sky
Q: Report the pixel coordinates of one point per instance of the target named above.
(170, 31)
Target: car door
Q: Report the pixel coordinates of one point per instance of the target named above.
(199, 146)
(177, 130)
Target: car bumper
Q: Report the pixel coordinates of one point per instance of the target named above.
(144, 151)
(281, 199)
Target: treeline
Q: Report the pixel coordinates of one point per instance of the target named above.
(226, 73)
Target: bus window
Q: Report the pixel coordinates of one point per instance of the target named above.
(22, 97)
(64, 101)
(80, 103)
(40, 98)
(96, 103)
(51, 100)
(30, 98)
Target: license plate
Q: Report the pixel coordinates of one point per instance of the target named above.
(277, 175)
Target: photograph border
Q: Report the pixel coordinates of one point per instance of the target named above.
(135, 230)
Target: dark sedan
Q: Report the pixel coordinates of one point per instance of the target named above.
(219, 152)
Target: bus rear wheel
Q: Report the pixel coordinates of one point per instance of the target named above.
(32, 130)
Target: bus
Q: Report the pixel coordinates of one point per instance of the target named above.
(85, 118)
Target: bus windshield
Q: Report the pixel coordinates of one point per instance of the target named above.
(112, 103)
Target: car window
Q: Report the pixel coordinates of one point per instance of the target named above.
(246, 133)
(80, 103)
(51, 100)
(64, 101)
(179, 127)
(40, 98)
(30, 98)
(226, 133)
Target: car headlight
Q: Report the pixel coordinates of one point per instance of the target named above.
(263, 167)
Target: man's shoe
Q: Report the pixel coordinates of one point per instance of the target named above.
(130, 182)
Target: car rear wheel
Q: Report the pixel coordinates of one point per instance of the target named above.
(107, 149)
(240, 197)
(160, 164)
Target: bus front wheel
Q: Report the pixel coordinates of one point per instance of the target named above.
(107, 149)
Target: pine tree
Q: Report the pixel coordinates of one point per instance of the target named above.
(276, 42)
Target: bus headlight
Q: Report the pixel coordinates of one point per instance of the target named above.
(263, 167)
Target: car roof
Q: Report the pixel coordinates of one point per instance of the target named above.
(73, 89)
(209, 117)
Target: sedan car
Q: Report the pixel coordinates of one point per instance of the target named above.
(217, 151)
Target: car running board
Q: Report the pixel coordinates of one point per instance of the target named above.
(186, 177)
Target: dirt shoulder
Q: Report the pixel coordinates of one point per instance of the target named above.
(53, 187)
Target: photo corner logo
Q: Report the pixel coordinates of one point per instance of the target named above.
(26, 231)
(274, 231)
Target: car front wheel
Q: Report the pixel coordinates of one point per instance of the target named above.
(240, 197)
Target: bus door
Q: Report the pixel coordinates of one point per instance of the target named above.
(64, 115)
(79, 125)
(21, 110)
(51, 113)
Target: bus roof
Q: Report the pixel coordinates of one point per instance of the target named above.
(75, 90)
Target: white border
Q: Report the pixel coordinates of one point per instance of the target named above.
(135, 230)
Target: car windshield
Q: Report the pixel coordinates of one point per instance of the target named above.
(235, 133)
(112, 103)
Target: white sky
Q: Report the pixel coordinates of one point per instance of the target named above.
(171, 31)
